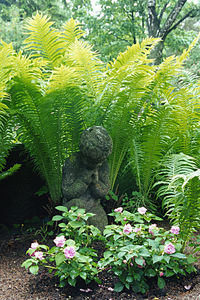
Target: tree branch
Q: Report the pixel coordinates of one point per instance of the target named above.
(162, 12)
(152, 20)
(177, 23)
(172, 17)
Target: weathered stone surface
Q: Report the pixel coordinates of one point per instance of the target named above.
(86, 174)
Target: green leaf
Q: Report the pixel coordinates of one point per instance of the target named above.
(118, 286)
(129, 278)
(76, 224)
(107, 254)
(83, 275)
(191, 259)
(57, 218)
(62, 225)
(34, 269)
(82, 258)
(62, 283)
(27, 263)
(62, 208)
(71, 281)
(157, 258)
(161, 283)
(59, 258)
(139, 261)
(150, 273)
(118, 272)
(74, 274)
(169, 273)
(178, 255)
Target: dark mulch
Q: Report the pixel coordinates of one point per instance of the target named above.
(16, 283)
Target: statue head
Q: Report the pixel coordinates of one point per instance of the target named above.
(95, 146)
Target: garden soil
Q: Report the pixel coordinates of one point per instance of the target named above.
(16, 283)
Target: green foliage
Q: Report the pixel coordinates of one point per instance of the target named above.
(134, 253)
(179, 187)
(76, 236)
(141, 251)
(49, 92)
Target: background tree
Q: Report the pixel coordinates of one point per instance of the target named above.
(122, 23)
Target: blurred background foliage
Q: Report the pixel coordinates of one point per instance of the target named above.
(110, 25)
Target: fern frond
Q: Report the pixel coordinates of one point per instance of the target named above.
(10, 171)
(27, 69)
(179, 189)
(43, 40)
(72, 31)
(186, 52)
(62, 77)
(137, 53)
(85, 61)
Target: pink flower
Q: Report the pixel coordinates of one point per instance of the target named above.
(169, 248)
(142, 210)
(161, 274)
(119, 209)
(69, 252)
(125, 219)
(131, 264)
(39, 255)
(59, 241)
(127, 228)
(175, 230)
(34, 245)
(152, 227)
(136, 229)
(125, 261)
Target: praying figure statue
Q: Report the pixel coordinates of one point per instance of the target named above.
(85, 178)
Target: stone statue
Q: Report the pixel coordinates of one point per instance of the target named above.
(85, 178)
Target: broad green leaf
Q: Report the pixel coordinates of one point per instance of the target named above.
(62, 208)
(107, 254)
(34, 269)
(161, 283)
(59, 258)
(76, 224)
(139, 261)
(129, 278)
(178, 255)
(118, 286)
(57, 218)
(83, 275)
(157, 258)
(27, 263)
(71, 281)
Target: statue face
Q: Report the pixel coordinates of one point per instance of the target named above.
(90, 164)
(95, 146)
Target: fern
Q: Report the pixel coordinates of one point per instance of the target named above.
(180, 191)
(43, 40)
(72, 31)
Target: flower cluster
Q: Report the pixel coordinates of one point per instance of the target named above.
(136, 250)
(69, 252)
(60, 241)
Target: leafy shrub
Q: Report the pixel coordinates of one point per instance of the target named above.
(71, 258)
(138, 250)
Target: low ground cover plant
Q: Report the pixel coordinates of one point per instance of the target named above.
(72, 256)
(137, 249)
